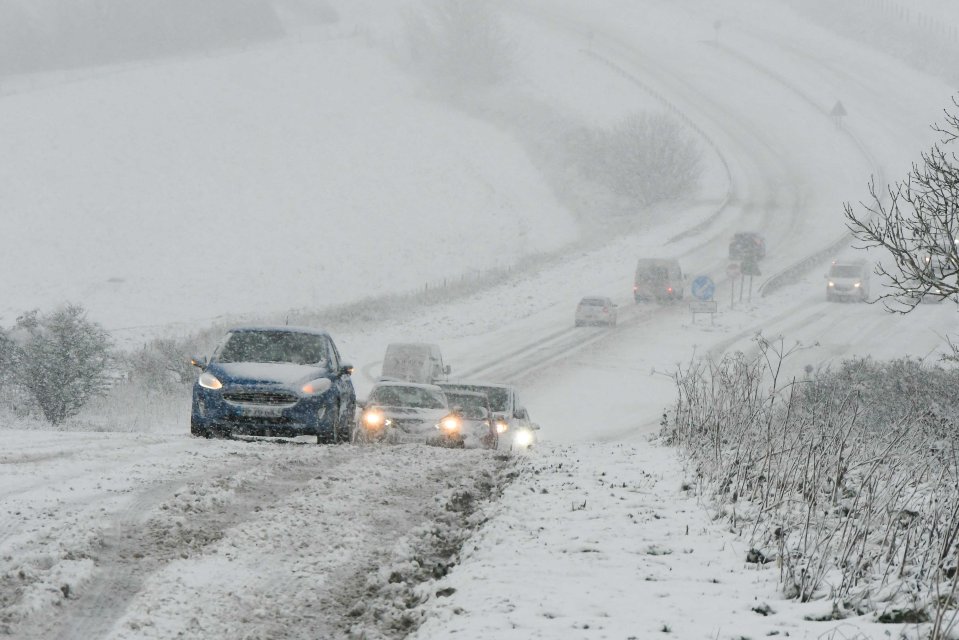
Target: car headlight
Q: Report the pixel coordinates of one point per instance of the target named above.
(523, 438)
(313, 387)
(374, 419)
(857, 285)
(502, 426)
(450, 424)
(831, 284)
(209, 381)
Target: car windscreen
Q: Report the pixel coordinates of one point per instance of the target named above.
(498, 396)
(411, 397)
(592, 302)
(471, 405)
(845, 271)
(653, 274)
(273, 346)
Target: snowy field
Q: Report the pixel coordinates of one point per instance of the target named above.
(153, 200)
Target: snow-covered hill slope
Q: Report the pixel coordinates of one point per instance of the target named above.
(299, 174)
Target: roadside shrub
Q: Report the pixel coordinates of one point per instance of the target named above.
(60, 360)
(162, 366)
(459, 43)
(646, 159)
(848, 478)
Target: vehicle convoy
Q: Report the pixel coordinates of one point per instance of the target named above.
(274, 381)
(403, 412)
(658, 279)
(595, 310)
(848, 280)
(747, 245)
(414, 362)
(510, 418)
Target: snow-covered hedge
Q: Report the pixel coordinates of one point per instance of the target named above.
(847, 478)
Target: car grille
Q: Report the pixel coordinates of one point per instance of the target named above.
(247, 421)
(268, 398)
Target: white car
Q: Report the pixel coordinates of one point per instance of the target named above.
(515, 430)
(402, 412)
(848, 280)
(595, 310)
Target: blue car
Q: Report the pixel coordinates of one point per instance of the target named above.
(274, 381)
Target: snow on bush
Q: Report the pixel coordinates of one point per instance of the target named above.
(459, 43)
(60, 360)
(847, 479)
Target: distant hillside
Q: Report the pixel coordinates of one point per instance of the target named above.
(37, 35)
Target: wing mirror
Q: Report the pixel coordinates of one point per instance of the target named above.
(346, 369)
(199, 362)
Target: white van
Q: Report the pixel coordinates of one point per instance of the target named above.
(659, 279)
(414, 362)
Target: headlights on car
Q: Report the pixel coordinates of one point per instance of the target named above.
(315, 387)
(502, 426)
(375, 419)
(831, 284)
(523, 438)
(857, 285)
(209, 381)
(450, 424)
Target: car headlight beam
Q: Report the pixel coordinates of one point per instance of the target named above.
(450, 424)
(523, 438)
(374, 419)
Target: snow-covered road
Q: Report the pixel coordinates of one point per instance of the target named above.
(601, 534)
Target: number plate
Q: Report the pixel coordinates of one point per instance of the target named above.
(261, 412)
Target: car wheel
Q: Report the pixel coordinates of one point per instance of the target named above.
(198, 430)
(347, 422)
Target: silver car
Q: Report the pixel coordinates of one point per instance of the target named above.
(847, 280)
(595, 310)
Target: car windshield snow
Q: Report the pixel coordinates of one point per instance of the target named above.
(593, 302)
(273, 346)
(472, 406)
(845, 271)
(400, 396)
(498, 396)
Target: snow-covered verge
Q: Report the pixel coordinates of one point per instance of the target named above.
(130, 537)
(615, 541)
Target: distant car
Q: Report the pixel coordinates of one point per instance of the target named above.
(848, 280)
(414, 362)
(595, 310)
(478, 428)
(747, 245)
(399, 412)
(510, 418)
(274, 381)
(659, 279)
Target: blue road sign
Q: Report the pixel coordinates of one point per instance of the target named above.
(703, 288)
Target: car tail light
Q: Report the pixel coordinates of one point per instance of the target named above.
(669, 289)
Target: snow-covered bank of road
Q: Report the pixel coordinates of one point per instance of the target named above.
(118, 536)
(599, 541)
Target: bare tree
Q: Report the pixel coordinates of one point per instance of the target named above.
(915, 221)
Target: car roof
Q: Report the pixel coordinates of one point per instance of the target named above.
(462, 392)
(468, 383)
(279, 328)
(400, 383)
